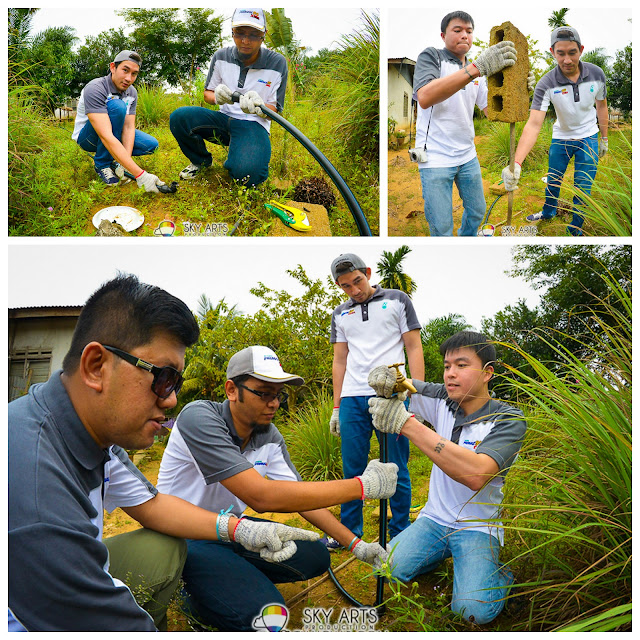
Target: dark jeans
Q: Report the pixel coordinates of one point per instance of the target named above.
(90, 141)
(227, 586)
(248, 142)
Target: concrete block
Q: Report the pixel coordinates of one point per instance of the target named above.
(508, 99)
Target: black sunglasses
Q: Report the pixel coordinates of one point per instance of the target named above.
(166, 380)
(252, 37)
(267, 397)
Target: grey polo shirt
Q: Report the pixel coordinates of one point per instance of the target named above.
(267, 76)
(497, 430)
(574, 102)
(204, 449)
(95, 97)
(59, 482)
(373, 332)
(447, 127)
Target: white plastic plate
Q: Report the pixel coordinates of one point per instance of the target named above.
(127, 217)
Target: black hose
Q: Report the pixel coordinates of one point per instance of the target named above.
(341, 185)
(486, 218)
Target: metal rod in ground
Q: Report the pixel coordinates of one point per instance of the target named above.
(382, 533)
(512, 164)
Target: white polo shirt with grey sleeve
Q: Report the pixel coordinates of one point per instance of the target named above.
(204, 449)
(497, 430)
(574, 102)
(373, 332)
(267, 76)
(446, 127)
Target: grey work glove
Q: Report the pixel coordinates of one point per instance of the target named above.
(389, 415)
(149, 182)
(531, 81)
(371, 553)
(496, 58)
(223, 94)
(511, 179)
(334, 422)
(603, 147)
(273, 541)
(379, 480)
(251, 102)
(382, 380)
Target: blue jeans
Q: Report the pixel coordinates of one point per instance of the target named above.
(90, 141)
(437, 191)
(356, 426)
(480, 580)
(586, 165)
(248, 142)
(227, 586)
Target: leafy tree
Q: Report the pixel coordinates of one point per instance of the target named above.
(19, 30)
(392, 276)
(433, 334)
(619, 82)
(598, 57)
(172, 48)
(558, 18)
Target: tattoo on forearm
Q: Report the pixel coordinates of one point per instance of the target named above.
(440, 446)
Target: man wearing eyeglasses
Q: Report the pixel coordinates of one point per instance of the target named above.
(229, 455)
(260, 77)
(67, 463)
(105, 124)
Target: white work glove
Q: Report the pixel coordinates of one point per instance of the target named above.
(379, 480)
(273, 541)
(531, 81)
(334, 422)
(251, 102)
(496, 58)
(119, 170)
(382, 380)
(511, 179)
(149, 182)
(371, 553)
(603, 147)
(223, 94)
(389, 415)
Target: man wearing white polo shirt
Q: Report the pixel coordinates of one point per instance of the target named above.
(578, 93)
(447, 87)
(260, 77)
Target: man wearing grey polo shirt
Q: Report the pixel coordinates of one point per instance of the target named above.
(578, 93)
(260, 77)
(447, 87)
(473, 442)
(106, 124)
(229, 456)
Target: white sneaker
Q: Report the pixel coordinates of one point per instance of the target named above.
(190, 172)
(534, 217)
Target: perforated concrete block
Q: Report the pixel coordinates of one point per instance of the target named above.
(508, 94)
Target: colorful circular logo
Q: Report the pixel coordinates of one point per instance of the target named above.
(273, 618)
(165, 228)
(487, 230)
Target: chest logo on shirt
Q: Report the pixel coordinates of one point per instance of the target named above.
(385, 305)
(350, 312)
(564, 92)
(259, 463)
(592, 89)
(472, 443)
(266, 83)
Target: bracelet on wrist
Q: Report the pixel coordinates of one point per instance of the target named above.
(361, 486)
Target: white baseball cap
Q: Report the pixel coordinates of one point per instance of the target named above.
(261, 363)
(249, 18)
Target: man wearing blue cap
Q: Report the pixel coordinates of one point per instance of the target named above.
(578, 92)
(106, 124)
(260, 77)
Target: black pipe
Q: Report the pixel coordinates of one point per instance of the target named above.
(341, 185)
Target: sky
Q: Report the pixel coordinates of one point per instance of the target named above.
(460, 278)
(315, 28)
(408, 35)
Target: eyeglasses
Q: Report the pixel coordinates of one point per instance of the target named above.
(166, 380)
(251, 37)
(266, 396)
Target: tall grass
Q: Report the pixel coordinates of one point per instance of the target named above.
(571, 494)
(497, 145)
(314, 451)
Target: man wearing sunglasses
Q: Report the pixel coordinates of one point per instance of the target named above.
(260, 77)
(106, 124)
(229, 456)
(67, 462)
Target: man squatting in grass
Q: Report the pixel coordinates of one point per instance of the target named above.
(229, 455)
(474, 441)
(106, 124)
(260, 76)
(67, 463)
(573, 88)
(374, 326)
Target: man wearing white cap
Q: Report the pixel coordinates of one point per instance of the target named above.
(227, 456)
(106, 124)
(260, 77)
